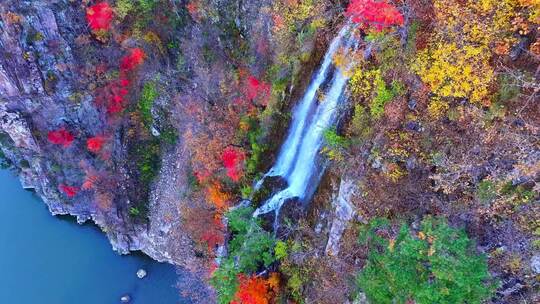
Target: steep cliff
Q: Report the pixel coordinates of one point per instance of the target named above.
(59, 72)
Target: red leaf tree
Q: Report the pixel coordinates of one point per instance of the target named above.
(132, 60)
(99, 16)
(94, 144)
(61, 137)
(252, 290)
(69, 191)
(374, 13)
(257, 89)
(232, 161)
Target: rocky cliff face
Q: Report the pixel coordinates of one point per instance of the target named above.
(53, 72)
(42, 87)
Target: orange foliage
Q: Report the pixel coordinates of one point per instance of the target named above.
(214, 237)
(90, 182)
(209, 130)
(256, 290)
(203, 224)
(104, 200)
(217, 196)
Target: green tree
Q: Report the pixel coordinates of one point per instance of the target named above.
(437, 265)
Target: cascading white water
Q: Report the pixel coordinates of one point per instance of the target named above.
(297, 159)
(290, 147)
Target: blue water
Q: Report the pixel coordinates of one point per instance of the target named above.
(53, 260)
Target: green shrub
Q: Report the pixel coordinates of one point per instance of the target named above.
(256, 148)
(384, 95)
(123, 8)
(508, 89)
(335, 140)
(486, 191)
(297, 276)
(134, 211)
(4, 161)
(149, 160)
(252, 245)
(225, 281)
(335, 144)
(518, 193)
(250, 248)
(360, 124)
(148, 96)
(169, 135)
(281, 250)
(438, 265)
(246, 191)
(147, 5)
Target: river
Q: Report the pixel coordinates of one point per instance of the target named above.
(53, 260)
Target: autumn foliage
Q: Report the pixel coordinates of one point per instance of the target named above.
(232, 161)
(99, 16)
(61, 137)
(374, 13)
(213, 236)
(69, 191)
(256, 290)
(94, 144)
(132, 60)
(217, 196)
(113, 95)
(257, 89)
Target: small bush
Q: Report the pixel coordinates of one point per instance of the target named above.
(438, 265)
(486, 192)
(225, 281)
(507, 89)
(253, 246)
(335, 144)
(249, 249)
(360, 124)
(149, 157)
(148, 95)
(280, 250)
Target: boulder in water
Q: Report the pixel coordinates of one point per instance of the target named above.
(141, 273)
(125, 299)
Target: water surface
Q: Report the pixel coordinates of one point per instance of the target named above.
(53, 260)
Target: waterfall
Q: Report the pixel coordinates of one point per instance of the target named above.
(297, 160)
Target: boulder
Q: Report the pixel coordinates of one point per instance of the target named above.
(141, 273)
(535, 264)
(125, 299)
